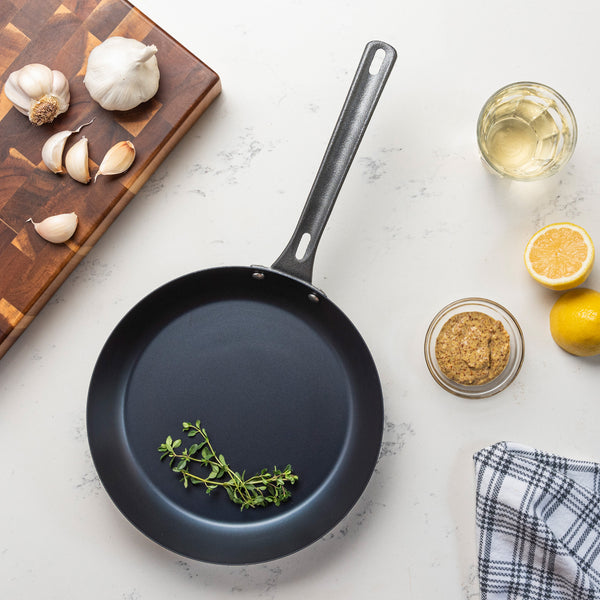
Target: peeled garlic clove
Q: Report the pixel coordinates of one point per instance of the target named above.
(52, 150)
(76, 161)
(117, 160)
(39, 92)
(58, 228)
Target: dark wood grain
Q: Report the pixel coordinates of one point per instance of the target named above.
(61, 34)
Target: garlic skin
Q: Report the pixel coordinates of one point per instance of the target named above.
(117, 160)
(58, 228)
(52, 150)
(76, 161)
(38, 92)
(122, 73)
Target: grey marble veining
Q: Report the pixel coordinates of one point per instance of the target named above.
(419, 223)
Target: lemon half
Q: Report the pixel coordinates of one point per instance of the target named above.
(560, 256)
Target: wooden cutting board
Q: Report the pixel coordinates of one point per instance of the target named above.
(60, 34)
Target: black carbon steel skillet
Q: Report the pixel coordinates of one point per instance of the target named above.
(274, 370)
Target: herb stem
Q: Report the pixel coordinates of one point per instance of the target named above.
(261, 489)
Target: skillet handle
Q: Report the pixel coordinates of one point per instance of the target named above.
(373, 71)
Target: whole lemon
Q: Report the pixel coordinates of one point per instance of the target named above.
(575, 322)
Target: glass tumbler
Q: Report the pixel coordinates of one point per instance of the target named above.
(526, 131)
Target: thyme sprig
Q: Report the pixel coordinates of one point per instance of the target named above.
(261, 489)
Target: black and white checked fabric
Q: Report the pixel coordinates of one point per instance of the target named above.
(538, 519)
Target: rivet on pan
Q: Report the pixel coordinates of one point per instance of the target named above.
(258, 275)
(314, 298)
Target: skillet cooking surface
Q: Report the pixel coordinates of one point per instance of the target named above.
(274, 377)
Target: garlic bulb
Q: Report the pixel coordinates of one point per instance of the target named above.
(117, 160)
(37, 91)
(122, 73)
(52, 150)
(76, 161)
(58, 228)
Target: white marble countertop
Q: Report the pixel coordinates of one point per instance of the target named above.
(419, 223)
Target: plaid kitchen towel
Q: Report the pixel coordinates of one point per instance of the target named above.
(538, 519)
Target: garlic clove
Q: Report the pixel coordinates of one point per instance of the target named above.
(35, 80)
(117, 160)
(60, 89)
(58, 228)
(52, 150)
(122, 73)
(39, 92)
(76, 161)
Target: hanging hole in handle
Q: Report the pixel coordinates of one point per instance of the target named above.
(377, 61)
(302, 246)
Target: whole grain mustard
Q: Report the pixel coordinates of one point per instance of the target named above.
(472, 348)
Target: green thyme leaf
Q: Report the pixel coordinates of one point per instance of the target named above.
(261, 489)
